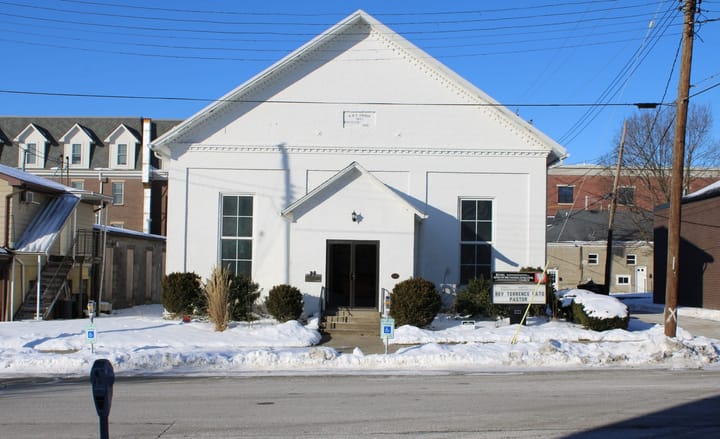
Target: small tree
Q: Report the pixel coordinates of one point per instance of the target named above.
(181, 293)
(243, 293)
(284, 302)
(217, 292)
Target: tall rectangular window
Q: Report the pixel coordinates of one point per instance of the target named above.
(76, 154)
(118, 193)
(122, 154)
(236, 234)
(565, 194)
(31, 154)
(475, 239)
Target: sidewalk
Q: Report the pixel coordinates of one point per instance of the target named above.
(697, 321)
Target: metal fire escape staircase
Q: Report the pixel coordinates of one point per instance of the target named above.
(53, 286)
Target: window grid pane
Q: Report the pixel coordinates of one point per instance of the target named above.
(475, 239)
(236, 234)
(118, 193)
(76, 154)
(122, 154)
(31, 154)
(565, 194)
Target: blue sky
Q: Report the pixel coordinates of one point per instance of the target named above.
(543, 59)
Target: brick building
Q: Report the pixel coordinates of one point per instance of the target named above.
(575, 187)
(106, 155)
(699, 278)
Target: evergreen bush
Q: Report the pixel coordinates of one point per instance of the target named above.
(242, 295)
(182, 293)
(284, 302)
(597, 324)
(415, 302)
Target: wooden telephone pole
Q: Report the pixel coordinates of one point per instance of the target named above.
(683, 97)
(613, 207)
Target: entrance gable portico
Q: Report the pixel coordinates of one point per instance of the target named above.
(357, 233)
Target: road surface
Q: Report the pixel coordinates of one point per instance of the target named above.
(624, 403)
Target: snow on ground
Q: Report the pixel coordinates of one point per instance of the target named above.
(139, 341)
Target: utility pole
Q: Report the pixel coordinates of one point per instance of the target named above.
(613, 206)
(683, 97)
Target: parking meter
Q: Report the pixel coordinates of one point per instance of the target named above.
(102, 378)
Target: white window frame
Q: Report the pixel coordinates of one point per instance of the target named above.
(121, 185)
(119, 153)
(622, 280)
(631, 259)
(593, 259)
(225, 237)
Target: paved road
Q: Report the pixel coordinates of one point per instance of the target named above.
(591, 403)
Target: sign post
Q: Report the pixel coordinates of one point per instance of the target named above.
(90, 332)
(387, 330)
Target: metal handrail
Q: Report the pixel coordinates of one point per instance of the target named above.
(321, 305)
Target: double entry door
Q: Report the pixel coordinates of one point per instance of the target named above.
(352, 274)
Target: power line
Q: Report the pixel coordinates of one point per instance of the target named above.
(316, 102)
(625, 72)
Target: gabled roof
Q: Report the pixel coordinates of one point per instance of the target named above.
(118, 131)
(346, 26)
(32, 127)
(329, 184)
(592, 225)
(42, 231)
(90, 137)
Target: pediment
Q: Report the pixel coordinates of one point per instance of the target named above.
(29, 131)
(359, 67)
(337, 182)
(78, 133)
(122, 132)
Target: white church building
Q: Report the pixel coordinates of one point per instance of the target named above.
(354, 163)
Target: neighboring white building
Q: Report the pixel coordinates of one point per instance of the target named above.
(354, 163)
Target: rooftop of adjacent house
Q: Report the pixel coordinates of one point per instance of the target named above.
(18, 177)
(712, 190)
(592, 225)
(98, 128)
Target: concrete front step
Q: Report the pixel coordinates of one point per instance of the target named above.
(350, 320)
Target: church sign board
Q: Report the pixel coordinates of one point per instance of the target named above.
(511, 288)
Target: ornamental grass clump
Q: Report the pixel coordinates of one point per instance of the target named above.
(217, 292)
(415, 302)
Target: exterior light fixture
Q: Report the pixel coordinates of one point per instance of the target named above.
(354, 216)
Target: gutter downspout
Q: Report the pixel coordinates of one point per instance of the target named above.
(8, 205)
(104, 250)
(147, 188)
(12, 282)
(39, 282)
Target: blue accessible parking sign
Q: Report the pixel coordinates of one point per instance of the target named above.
(387, 328)
(90, 334)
